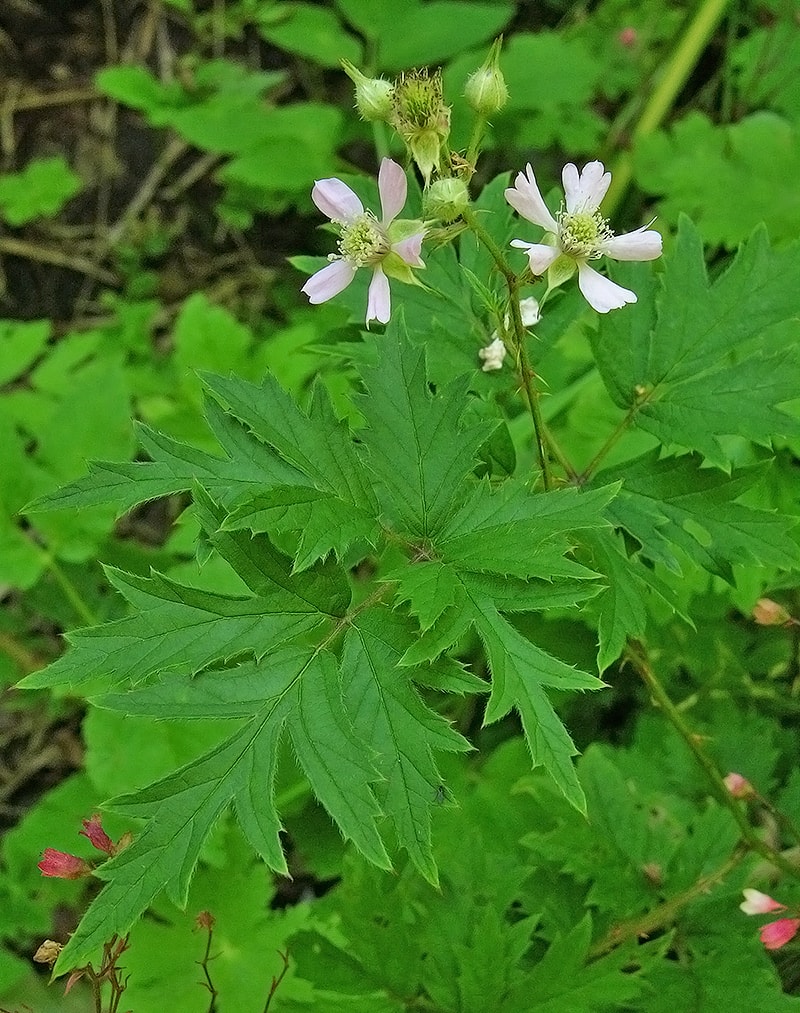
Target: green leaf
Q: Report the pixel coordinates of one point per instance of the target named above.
(21, 342)
(41, 189)
(706, 369)
(417, 447)
(310, 31)
(404, 734)
(516, 533)
(520, 670)
(675, 503)
(697, 165)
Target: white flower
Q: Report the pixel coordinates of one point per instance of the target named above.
(529, 311)
(492, 356)
(579, 233)
(757, 903)
(389, 248)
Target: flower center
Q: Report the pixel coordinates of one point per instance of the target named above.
(580, 234)
(363, 241)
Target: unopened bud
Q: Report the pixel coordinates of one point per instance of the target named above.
(446, 199)
(739, 786)
(767, 612)
(373, 94)
(486, 89)
(628, 37)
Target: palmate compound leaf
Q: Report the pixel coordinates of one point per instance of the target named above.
(712, 362)
(674, 502)
(334, 504)
(403, 732)
(419, 450)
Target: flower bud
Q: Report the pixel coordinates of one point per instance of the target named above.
(48, 952)
(421, 118)
(373, 94)
(767, 612)
(486, 89)
(61, 865)
(446, 199)
(739, 786)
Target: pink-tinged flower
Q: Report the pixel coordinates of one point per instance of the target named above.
(774, 935)
(389, 248)
(93, 830)
(739, 786)
(767, 612)
(60, 865)
(578, 234)
(757, 903)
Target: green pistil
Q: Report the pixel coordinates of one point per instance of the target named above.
(580, 234)
(363, 241)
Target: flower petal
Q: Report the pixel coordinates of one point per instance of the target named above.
(329, 281)
(379, 304)
(642, 244)
(409, 249)
(777, 934)
(525, 198)
(336, 200)
(601, 293)
(540, 256)
(757, 903)
(393, 187)
(588, 190)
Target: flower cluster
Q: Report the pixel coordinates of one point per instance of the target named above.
(391, 247)
(775, 934)
(62, 865)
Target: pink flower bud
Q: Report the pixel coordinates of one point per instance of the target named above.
(93, 830)
(60, 865)
(628, 37)
(777, 934)
(757, 903)
(739, 786)
(767, 612)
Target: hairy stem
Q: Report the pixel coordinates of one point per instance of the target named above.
(523, 362)
(750, 838)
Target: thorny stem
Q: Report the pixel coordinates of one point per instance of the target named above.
(523, 363)
(277, 981)
(636, 655)
(673, 77)
(665, 914)
(478, 128)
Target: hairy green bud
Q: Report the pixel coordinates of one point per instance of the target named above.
(486, 89)
(421, 118)
(446, 199)
(373, 94)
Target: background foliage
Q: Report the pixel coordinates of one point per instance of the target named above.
(155, 180)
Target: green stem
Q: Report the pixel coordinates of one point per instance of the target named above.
(587, 472)
(719, 789)
(665, 914)
(473, 150)
(675, 74)
(380, 139)
(523, 363)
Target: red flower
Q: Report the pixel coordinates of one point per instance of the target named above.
(777, 934)
(60, 865)
(93, 830)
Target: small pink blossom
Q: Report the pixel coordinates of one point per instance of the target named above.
(578, 234)
(757, 903)
(739, 786)
(60, 865)
(774, 935)
(93, 830)
(387, 247)
(628, 37)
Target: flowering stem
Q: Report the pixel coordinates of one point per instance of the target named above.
(478, 128)
(674, 76)
(523, 362)
(637, 657)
